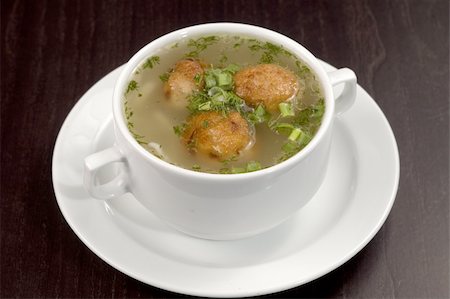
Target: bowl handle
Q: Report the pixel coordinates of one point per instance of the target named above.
(112, 189)
(348, 96)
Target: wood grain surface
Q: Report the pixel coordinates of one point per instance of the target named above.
(53, 51)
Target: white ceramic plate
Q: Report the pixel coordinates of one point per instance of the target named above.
(345, 214)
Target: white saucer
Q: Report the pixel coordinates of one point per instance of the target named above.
(348, 210)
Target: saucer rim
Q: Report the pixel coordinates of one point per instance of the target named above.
(233, 293)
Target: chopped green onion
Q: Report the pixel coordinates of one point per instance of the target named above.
(217, 94)
(205, 106)
(238, 170)
(260, 111)
(253, 166)
(224, 79)
(286, 109)
(196, 167)
(198, 79)
(295, 134)
(259, 115)
(284, 128)
(304, 139)
(232, 68)
(215, 90)
(210, 81)
(290, 147)
(218, 99)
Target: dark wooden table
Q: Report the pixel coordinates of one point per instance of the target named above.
(53, 51)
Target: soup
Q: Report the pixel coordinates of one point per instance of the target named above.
(223, 104)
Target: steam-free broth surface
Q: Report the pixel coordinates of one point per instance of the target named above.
(157, 123)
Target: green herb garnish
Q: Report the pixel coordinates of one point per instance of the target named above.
(249, 167)
(297, 140)
(130, 125)
(224, 79)
(164, 77)
(266, 57)
(217, 94)
(198, 78)
(283, 128)
(259, 115)
(312, 115)
(289, 149)
(179, 129)
(302, 69)
(253, 166)
(270, 51)
(232, 68)
(151, 62)
(132, 85)
(295, 133)
(229, 160)
(235, 170)
(200, 44)
(286, 109)
(301, 130)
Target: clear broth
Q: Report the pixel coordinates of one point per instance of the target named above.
(151, 119)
